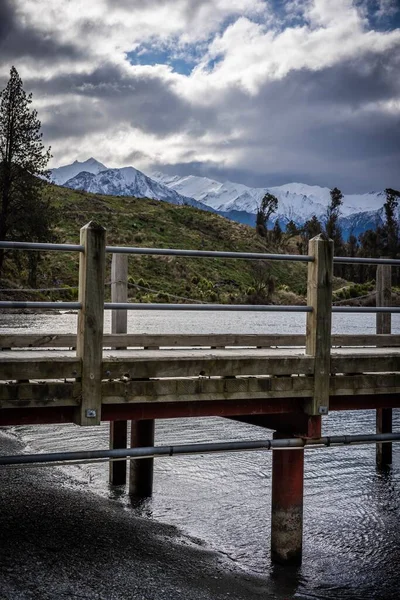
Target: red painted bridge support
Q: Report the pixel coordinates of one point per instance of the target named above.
(287, 505)
(141, 470)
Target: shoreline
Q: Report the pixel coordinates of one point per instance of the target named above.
(61, 542)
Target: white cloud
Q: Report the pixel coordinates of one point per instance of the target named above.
(94, 101)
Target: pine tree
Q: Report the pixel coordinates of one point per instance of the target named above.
(24, 215)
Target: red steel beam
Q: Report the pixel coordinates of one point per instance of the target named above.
(168, 410)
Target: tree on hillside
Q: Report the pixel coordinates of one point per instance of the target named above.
(268, 206)
(24, 215)
(390, 229)
(310, 229)
(332, 227)
(291, 229)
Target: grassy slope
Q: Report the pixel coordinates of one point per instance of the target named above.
(149, 223)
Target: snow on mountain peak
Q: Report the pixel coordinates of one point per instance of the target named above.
(61, 174)
(128, 181)
(296, 201)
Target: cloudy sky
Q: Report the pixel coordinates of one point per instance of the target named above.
(263, 92)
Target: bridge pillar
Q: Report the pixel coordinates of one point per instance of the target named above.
(384, 425)
(383, 325)
(287, 505)
(141, 470)
(118, 439)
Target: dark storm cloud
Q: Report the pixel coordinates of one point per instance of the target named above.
(145, 101)
(324, 127)
(321, 127)
(17, 41)
(330, 126)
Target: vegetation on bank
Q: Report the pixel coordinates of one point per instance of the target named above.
(149, 223)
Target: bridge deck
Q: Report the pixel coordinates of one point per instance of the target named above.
(242, 380)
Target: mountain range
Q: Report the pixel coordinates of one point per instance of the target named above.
(296, 201)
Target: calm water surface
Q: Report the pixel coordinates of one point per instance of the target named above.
(352, 518)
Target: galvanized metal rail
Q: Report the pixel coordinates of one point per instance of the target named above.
(190, 449)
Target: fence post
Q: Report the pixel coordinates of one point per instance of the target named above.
(383, 325)
(319, 321)
(90, 321)
(119, 324)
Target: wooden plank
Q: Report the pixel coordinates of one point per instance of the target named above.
(318, 326)
(383, 297)
(366, 363)
(380, 341)
(204, 363)
(141, 364)
(364, 384)
(46, 340)
(119, 324)
(207, 340)
(119, 293)
(195, 390)
(12, 368)
(90, 321)
(25, 395)
(49, 340)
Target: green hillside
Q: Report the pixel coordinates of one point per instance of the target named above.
(149, 223)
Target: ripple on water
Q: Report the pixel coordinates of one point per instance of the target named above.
(351, 510)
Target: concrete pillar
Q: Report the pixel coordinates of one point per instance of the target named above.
(141, 470)
(287, 505)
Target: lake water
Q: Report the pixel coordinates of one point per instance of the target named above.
(351, 543)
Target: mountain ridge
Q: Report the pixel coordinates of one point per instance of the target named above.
(296, 201)
(129, 181)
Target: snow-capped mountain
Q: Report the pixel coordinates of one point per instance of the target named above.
(297, 201)
(62, 174)
(128, 182)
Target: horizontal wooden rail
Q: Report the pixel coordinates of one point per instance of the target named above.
(36, 367)
(55, 394)
(51, 340)
(176, 363)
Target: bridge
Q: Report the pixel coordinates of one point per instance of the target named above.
(286, 383)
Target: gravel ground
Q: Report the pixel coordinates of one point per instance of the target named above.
(58, 542)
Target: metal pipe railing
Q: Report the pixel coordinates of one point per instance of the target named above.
(206, 307)
(9, 304)
(366, 309)
(207, 448)
(196, 253)
(367, 261)
(41, 246)
(206, 253)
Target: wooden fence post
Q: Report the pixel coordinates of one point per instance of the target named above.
(319, 321)
(119, 324)
(383, 325)
(90, 321)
